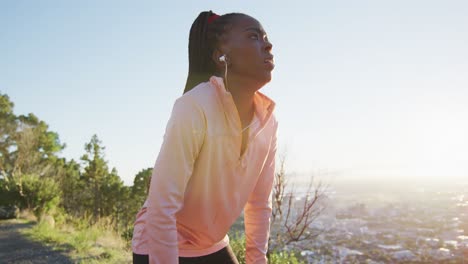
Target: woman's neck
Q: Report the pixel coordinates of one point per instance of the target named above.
(242, 92)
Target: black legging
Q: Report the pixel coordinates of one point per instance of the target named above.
(223, 256)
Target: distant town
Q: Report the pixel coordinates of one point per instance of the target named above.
(398, 222)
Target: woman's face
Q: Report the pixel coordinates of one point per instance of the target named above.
(249, 51)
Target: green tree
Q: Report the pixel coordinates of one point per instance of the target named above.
(40, 195)
(136, 194)
(28, 155)
(103, 191)
(112, 200)
(94, 173)
(37, 147)
(141, 185)
(73, 188)
(7, 131)
(126, 212)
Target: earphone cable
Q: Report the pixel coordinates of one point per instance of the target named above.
(225, 75)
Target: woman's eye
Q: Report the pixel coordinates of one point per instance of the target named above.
(255, 36)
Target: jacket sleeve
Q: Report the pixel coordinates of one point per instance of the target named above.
(182, 142)
(257, 211)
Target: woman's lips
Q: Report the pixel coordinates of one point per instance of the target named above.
(270, 63)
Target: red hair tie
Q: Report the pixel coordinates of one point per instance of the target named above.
(212, 18)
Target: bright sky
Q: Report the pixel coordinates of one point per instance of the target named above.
(363, 88)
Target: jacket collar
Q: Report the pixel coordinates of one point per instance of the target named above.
(264, 106)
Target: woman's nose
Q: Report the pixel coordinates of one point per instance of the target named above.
(268, 45)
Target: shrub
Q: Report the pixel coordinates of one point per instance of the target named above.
(237, 243)
(40, 194)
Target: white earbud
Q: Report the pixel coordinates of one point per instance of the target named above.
(222, 58)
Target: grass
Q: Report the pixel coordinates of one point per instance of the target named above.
(94, 244)
(99, 244)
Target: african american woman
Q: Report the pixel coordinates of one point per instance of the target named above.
(218, 153)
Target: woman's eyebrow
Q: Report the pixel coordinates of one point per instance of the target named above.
(258, 30)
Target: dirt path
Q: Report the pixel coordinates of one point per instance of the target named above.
(18, 249)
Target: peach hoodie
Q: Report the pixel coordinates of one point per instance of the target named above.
(201, 183)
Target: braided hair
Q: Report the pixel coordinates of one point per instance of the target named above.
(203, 40)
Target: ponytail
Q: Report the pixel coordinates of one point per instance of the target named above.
(204, 37)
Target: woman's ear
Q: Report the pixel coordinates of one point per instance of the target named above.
(216, 57)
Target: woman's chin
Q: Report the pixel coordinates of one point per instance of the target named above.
(264, 80)
(268, 77)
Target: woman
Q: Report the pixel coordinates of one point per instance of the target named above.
(218, 153)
